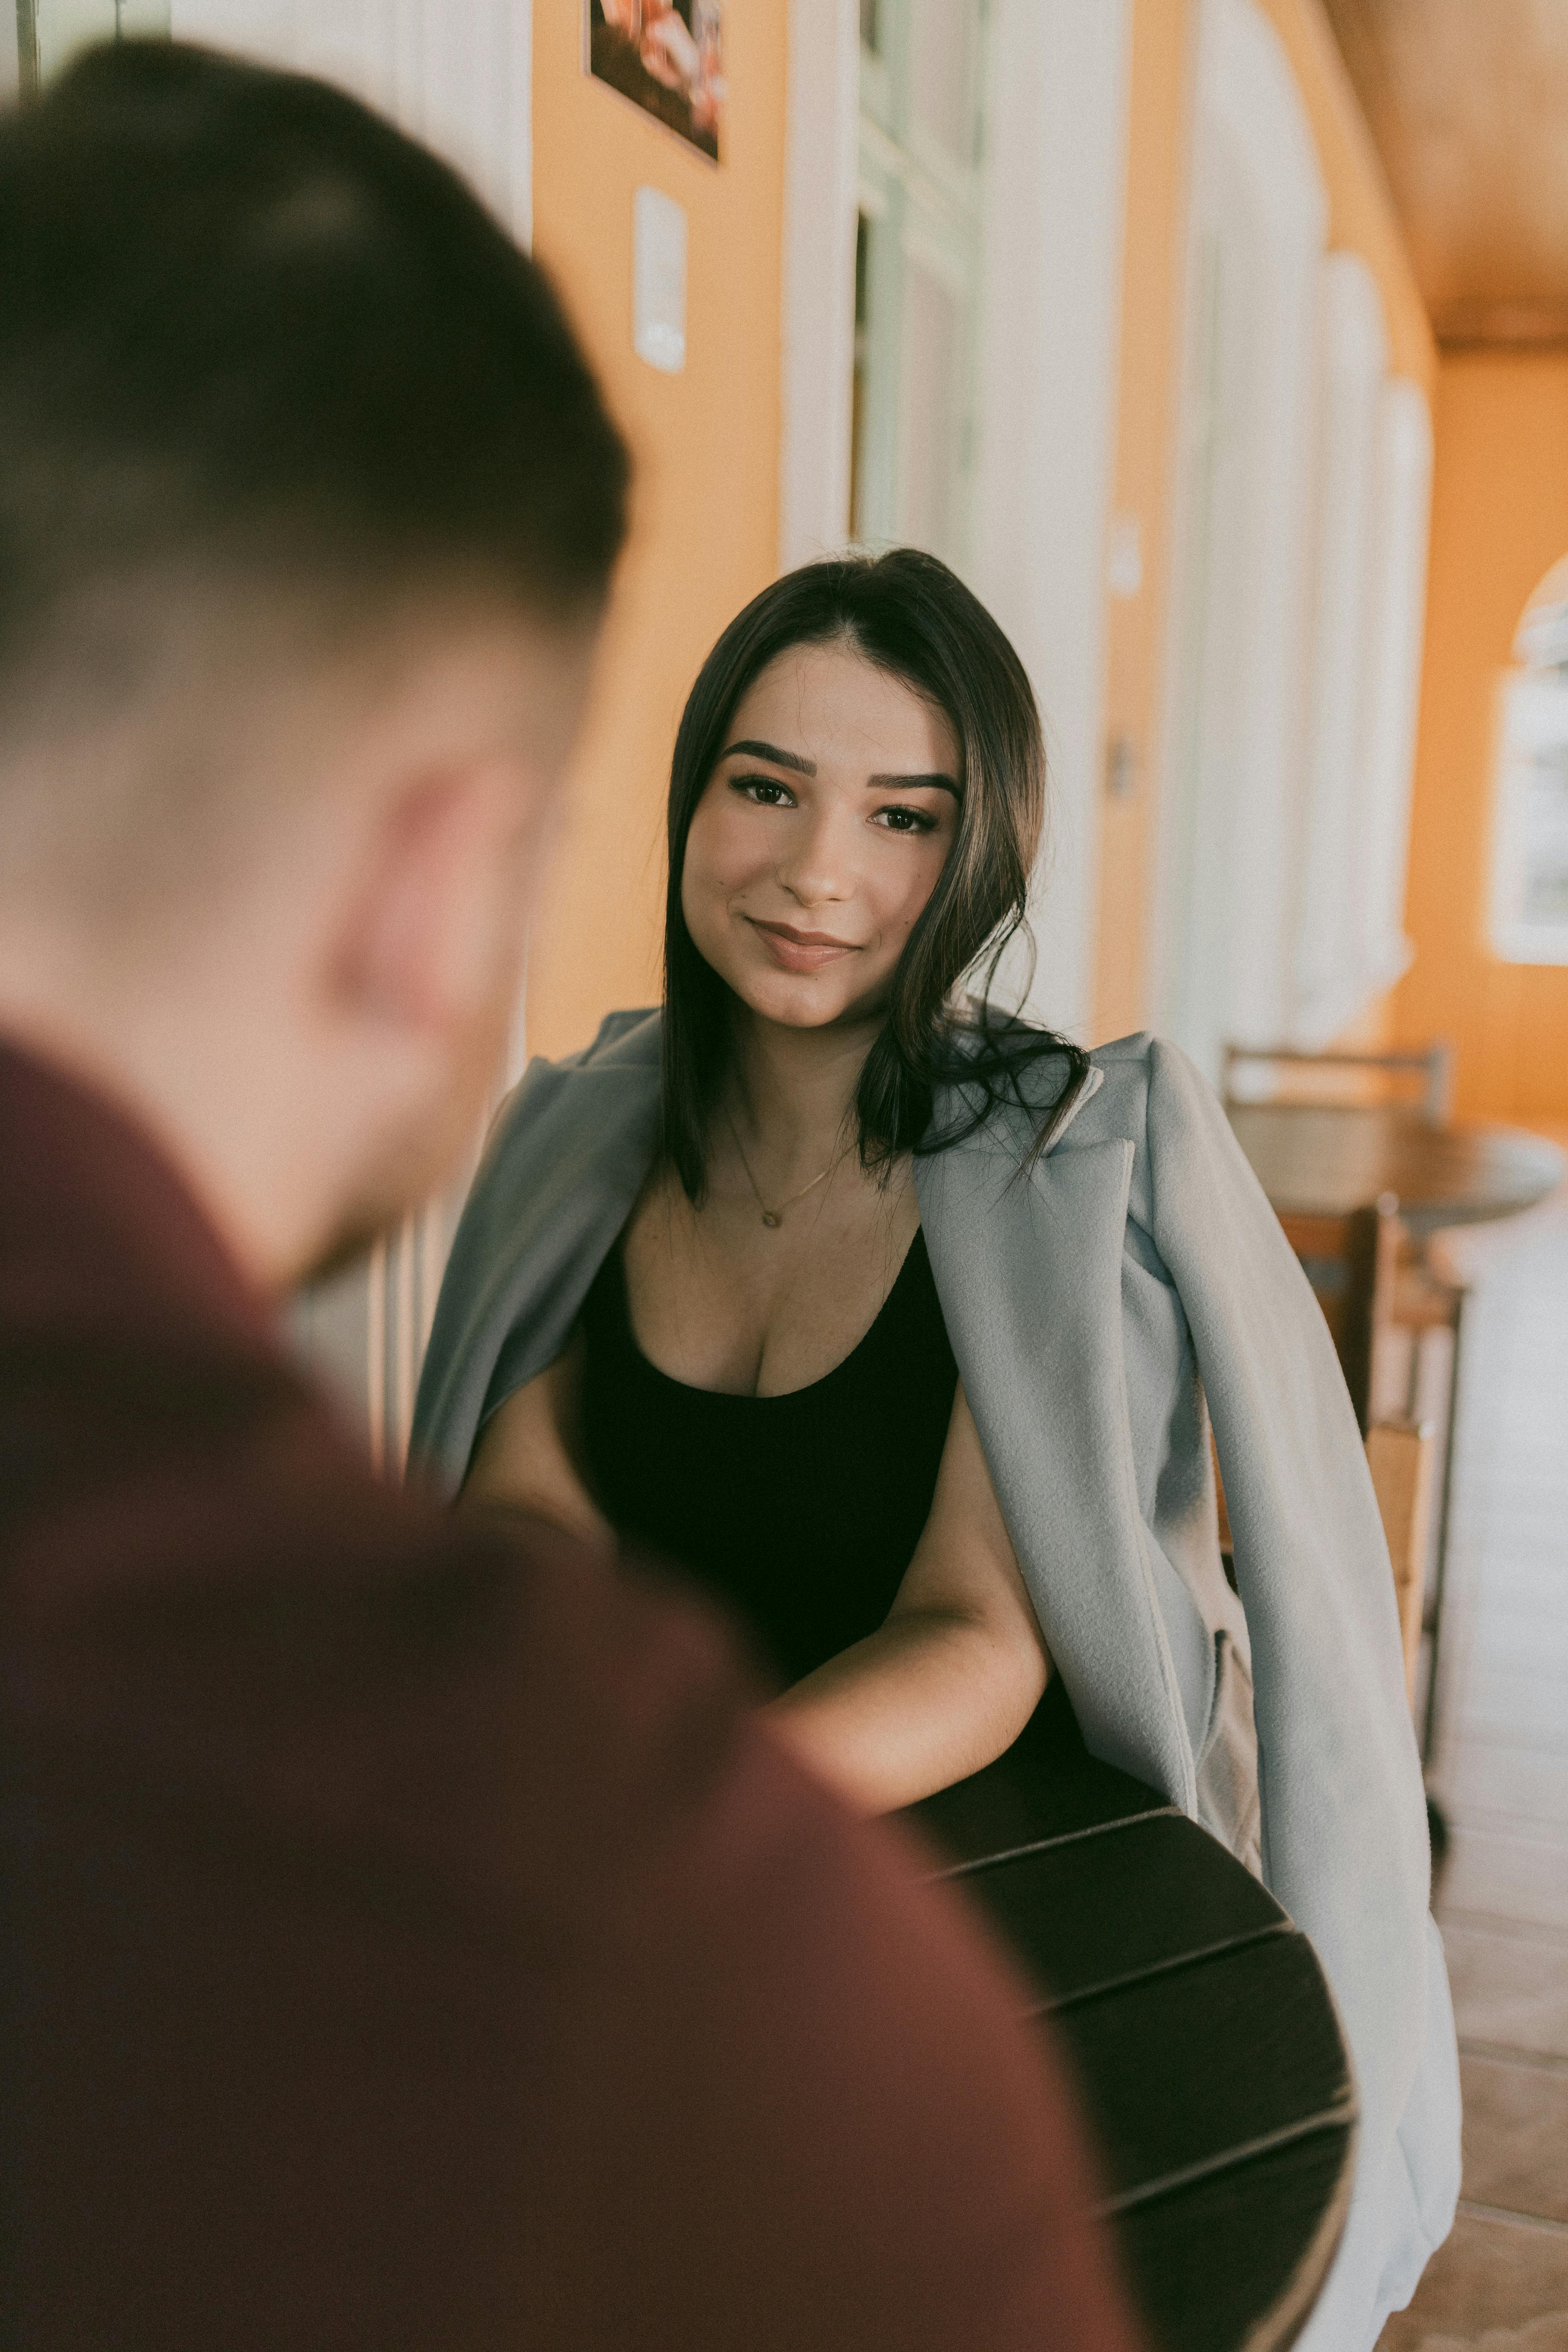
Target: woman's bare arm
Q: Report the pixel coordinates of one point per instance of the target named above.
(953, 1675)
(529, 1456)
(942, 1686)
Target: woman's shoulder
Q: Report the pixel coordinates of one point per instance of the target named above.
(1189, 1171)
(590, 1093)
(1155, 1094)
(1122, 1051)
(622, 1042)
(1134, 1080)
(1142, 1089)
(628, 1040)
(1157, 1070)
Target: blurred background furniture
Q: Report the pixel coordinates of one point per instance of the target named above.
(1325, 1159)
(1365, 1182)
(1350, 1260)
(1433, 1064)
(1158, 1956)
(1402, 1456)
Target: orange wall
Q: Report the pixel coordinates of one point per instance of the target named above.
(1361, 219)
(706, 445)
(1500, 520)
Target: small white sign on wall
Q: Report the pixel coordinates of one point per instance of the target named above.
(659, 280)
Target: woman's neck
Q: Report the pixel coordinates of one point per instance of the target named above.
(793, 1090)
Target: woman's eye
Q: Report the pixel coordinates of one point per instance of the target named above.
(764, 790)
(906, 820)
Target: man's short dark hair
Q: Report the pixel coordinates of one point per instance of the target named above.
(249, 330)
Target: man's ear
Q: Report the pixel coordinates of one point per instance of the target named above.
(431, 918)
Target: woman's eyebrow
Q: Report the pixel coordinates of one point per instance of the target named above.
(913, 784)
(771, 751)
(751, 749)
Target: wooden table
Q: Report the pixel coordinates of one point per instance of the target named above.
(1327, 1159)
(1196, 2019)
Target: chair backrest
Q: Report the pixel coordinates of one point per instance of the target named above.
(1351, 1262)
(1402, 1457)
(1433, 1064)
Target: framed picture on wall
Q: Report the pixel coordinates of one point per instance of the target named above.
(667, 56)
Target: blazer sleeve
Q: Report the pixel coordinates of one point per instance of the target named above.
(1345, 1844)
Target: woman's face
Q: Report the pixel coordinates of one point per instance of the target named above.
(820, 836)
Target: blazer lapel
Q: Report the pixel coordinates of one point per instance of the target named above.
(1028, 1270)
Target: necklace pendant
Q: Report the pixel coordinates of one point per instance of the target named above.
(771, 1221)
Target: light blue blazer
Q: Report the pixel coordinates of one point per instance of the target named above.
(1102, 1308)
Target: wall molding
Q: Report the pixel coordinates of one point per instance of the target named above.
(818, 322)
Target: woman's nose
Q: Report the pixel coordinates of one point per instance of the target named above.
(818, 864)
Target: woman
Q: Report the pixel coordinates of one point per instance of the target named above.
(901, 1325)
(773, 1270)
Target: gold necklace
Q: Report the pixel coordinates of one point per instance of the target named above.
(773, 1218)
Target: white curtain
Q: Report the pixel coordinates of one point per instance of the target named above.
(1229, 878)
(1054, 194)
(1294, 663)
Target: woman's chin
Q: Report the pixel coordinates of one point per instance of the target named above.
(791, 1002)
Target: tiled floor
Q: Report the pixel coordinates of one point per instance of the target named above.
(1501, 2283)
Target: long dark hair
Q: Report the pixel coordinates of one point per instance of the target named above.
(909, 615)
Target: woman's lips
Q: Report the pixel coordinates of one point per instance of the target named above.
(794, 950)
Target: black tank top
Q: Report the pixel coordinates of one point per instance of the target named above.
(801, 1512)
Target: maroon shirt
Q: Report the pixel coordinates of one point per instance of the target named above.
(413, 1937)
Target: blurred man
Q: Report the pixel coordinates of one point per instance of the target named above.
(412, 1938)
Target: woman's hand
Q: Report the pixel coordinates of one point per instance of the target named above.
(529, 1456)
(953, 1675)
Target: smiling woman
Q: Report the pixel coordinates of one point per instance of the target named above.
(856, 806)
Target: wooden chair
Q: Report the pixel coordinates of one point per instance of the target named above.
(1352, 1262)
(1402, 1456)
(1425, 1303)
(1377, 1283)
(1373, 1282)
(1433, 1064)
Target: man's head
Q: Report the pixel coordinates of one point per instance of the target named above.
(307, 508)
